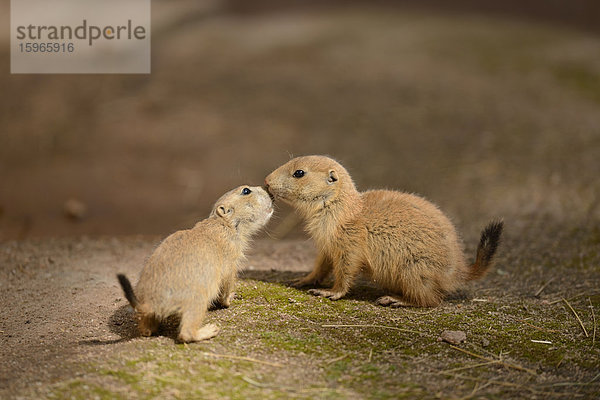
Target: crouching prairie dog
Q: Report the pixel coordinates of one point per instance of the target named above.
(400, 241)
(194, 268)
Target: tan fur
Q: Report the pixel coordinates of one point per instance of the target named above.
(192, 269)
(404, 243)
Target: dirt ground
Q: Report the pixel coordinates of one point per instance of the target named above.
(67, 332)
(486, 116)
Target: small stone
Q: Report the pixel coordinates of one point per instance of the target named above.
(453, 337)
(485, 342)
(75, 209)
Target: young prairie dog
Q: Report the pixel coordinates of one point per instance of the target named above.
(404, 243)
(194, 268)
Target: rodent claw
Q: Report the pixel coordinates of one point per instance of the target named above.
(326, 293)
(299, 283)
(392, 302)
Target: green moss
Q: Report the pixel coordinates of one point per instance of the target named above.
(579, 77)
(79, 389)
(126, 377)
(335, 371)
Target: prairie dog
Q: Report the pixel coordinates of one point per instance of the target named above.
(400, 241)
(193, 268)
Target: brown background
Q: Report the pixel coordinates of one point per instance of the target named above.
(495, 116)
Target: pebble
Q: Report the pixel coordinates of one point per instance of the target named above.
(453, 337)
(75, 209)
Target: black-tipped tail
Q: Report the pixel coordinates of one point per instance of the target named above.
(488, 244)
(128, 290)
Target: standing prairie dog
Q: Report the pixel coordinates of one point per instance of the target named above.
(193, 268)
(404, 243)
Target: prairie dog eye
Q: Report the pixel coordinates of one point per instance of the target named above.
(298, 173)
(246, 191)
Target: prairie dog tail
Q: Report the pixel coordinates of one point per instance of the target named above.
(488, 244)
(128, 290)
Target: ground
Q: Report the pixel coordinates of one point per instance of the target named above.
(486, 116)
(68, 332)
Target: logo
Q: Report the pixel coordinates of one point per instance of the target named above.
(80, 36)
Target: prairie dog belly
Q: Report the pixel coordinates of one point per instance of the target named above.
(409, 238)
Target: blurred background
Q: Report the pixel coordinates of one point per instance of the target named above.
(486, 108)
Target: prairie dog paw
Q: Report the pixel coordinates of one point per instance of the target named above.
(391, 301)
(223, 302)
(206, 332)
(230, 298)
(326, 293)
(227, 302)
(303, 282)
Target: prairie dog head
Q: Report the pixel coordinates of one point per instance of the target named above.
(310, 183)
(245, 208)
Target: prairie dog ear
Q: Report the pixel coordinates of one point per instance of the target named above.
(224, 211)
(333, 177)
